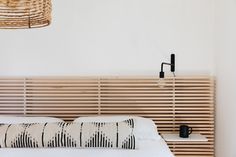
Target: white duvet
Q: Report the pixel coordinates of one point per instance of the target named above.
(156, 148)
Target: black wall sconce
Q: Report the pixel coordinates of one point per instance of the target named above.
(171, 64)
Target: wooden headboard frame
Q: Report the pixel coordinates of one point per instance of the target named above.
(177, 100)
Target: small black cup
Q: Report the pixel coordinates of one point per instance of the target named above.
(185, 131)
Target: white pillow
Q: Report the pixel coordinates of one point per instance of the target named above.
(17, 120)
(145, 129)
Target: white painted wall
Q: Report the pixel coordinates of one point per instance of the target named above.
(109, 37)
(226, 78)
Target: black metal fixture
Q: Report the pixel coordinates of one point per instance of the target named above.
(171, 64)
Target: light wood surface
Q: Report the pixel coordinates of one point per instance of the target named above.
(188, 100)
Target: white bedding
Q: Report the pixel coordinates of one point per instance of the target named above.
(156, 148)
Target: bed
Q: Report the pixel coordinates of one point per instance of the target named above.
(147, 140)
(184, 99)
(147, 148)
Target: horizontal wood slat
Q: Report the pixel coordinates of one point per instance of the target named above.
(188, 100)
(12, 96)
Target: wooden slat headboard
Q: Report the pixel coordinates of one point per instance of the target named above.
(178, 100)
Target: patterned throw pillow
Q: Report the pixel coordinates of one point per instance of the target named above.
(111, 135)
(61, 134)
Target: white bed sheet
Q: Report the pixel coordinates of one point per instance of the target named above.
(146, 149)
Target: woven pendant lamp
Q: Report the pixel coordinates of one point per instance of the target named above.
(24, 13)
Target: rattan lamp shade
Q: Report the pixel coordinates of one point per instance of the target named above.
(25, 13)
